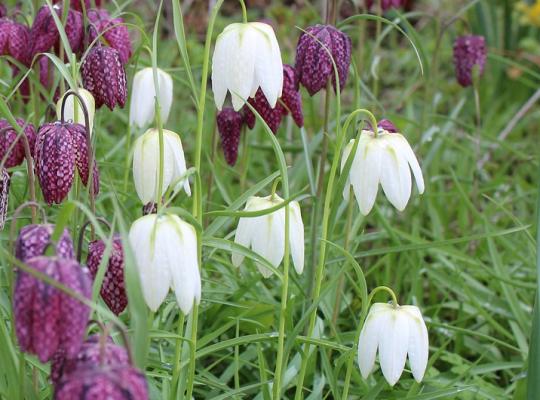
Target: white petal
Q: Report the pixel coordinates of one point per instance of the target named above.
(395, 175)
(151, 264)
(243, 237)
(407, 151)
(220, 67)
(346, 152)
(268, 64)
(369, 340)
(142, 107)
(418, 342)
(166, 87)
(269, 242)
(179, 161)
(241, 67)
(296, 236)
(393, 344)
(365, 173)
(185, 267)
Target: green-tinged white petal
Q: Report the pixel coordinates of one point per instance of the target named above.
(395, 173)
(365, 173)
(151, 260)
(408, 153)
(369, 339)
(393, 344)
(418, 342)
(78, 116)
(173, 141)
(142, 108)
(241, 67)
(296, 236)
(269, 242)
(243, 237)
(346, 152)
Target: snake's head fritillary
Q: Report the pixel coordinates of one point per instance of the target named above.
(229, 124)
(34, 239)
(113, 32)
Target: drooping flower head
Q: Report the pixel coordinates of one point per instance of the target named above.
(385, 158)
(104, 76)
(14, 39)
(146, 165)
(113, 32)
(246, 57)
(46, 318)
(12, 146)
(3, 11)
(143, 105)
(313, 63)
(113, 289)
(396, 331)
(34, 239)
(265, 234)
(291, 97)
(96, 350)
(165, 249)
(229, 124)
(5, 180)
(76, 115)
(469, 51)
(60, 148)
(78, 4)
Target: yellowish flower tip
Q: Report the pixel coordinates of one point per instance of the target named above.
(530, 14)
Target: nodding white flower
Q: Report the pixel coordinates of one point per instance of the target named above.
(246, 57)
(165, 250)
(396, 331)
(266, 234)
(69, 110)
(143, 97)
(385, 158)
(146, 164)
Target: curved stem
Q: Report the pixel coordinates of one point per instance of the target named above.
(383, 289)
(274, 186)
(81, 234)
(244, 11)
(91, 160)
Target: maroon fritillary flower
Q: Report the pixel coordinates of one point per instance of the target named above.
(61, 147)
(113, 289)
(94, 351)
(469, 51)
(78, 4)
(46, 318)
(385, 124)
(313, 63)
(34, 239)
(291, 97)
(112, 31)
(105, 77)
(14, 39)
(385, 4)
(229, 124)
(44, 34)
(5, 180)
(272, 116)
(3, 11)
(11, 146)
(89, 382)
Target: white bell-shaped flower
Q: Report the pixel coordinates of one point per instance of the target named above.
(143, 97)
(265, 234)
(165, 250)
(246, 57)
(77, 116)
(146, 164)
(396, 331)
(385, 158)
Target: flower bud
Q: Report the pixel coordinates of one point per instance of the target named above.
(143, 103)
(469, 51)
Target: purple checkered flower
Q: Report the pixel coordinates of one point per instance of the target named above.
(113, 289)
(3, 11)
(78, 4)
(5, 180)
(272, 116)
(12, 146)
(229, 124)
(105, 77)
(313, 63)
(94, 351)
(61, 147)
(112, 30)
(14, 39)
(46, 318)
(291, 97)
(469, 51)
(34, 239)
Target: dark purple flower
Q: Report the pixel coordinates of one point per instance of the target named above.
(229, 124)
(34, 239)
(105, 77)
(44, 34)
(13, 146)
(272, 116)
(46, 318)
(3, 11)
(469, 51)
(112, 31)
(5, 180)
(14, 39)
(113, 289)
(385, 4)
(95, 350)
(313, 63)
(61, 147)
(290, 96)
(78, 5)
(385, 124)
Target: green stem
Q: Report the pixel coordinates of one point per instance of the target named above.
(177, 354)
(341, 133)
(244, 11)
